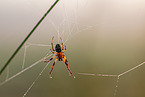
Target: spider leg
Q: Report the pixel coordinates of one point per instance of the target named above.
(46, 61)
(64, 49)
(52, 43)
(52, 68)
(62, 44)
(67, 65)
(53, 52)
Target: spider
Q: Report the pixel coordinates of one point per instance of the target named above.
(58, 53)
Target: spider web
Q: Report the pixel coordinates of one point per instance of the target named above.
(67, 24)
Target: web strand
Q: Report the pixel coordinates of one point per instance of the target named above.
(25, 48)
(80, 31)
(116, 87)
(32, 44)
(121, 74)
(23, 70)
(7, 73)
(35, 80)
(131, 69)
(118, 76)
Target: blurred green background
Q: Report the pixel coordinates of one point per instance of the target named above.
(103, 37)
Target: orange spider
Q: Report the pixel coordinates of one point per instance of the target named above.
(58, 53)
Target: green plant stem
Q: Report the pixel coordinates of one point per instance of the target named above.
(28, 36)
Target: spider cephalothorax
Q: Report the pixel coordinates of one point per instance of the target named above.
(58, 53)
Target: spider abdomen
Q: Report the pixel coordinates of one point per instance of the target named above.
(58, 48)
